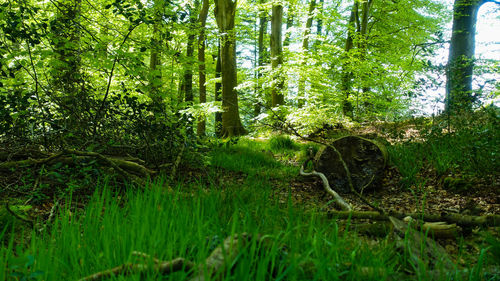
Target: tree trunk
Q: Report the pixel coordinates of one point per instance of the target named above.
(365, 14)
(346, 77)
(200, 129)
(277, 96)
(319, 26)
(365, 159)
(460, 67)
(67, 74)
(188, 71)
(225, 12)
(305, 48)
(289, 23)
(218, 94)
(154, 59)
(262, 52)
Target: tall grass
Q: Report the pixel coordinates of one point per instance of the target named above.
(188, 222)
(177, 219)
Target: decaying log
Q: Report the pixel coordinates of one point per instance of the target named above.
(365, 160)
(451, 218)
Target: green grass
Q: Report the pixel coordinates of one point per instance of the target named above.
(471, 151)
(252, 158)
(177, 219)
(187, 222)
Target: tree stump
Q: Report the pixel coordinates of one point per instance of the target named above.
(366, 160)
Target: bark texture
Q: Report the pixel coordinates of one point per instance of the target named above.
(202, 19)
(365, 159)
(277, 97)
(225, 12)
(460, 67)
(263, 56)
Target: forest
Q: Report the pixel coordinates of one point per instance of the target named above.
(248, 140)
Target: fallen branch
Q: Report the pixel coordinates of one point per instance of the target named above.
(338, 199)
(125, 168)
(164, 268)
(458, 219)
(222, 257)
(419, 247)
(177, 162)
(217, 262)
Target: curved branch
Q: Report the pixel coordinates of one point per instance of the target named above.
(338, 199)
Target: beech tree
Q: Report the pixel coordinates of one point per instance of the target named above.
(225, 12)
(459, 93)
(305, 49)
(202, 19)
(277, 97)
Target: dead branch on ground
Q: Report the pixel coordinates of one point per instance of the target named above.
(216, 263)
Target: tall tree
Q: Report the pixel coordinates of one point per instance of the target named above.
(357, 28)
(202, 19)
(262, 50)
(289, 22)
(277, 96)
(218, 93)
(154, 59)
(67, 73)
(305, 49)
(225, 13)
(459, 95)
(188, 65)
(319, 26)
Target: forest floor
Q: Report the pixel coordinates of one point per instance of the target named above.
(231, 173)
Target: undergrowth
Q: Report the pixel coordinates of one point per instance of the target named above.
(468, 148)
(169, 219)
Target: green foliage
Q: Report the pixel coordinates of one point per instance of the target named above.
(408, 158)
(472, 148)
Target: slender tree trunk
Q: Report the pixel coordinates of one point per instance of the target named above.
(277, 96)
(305, 48)
(459, 95)
(67, 78)
(200, 129)
(319, 26)
(363, 46)
(289, 23)
(188, 72)
(154, 60)
(262, 53)
(346, 77)
(225, 12)
(218, 93)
